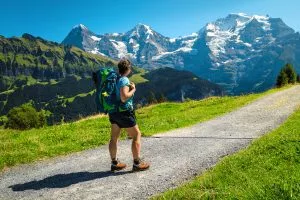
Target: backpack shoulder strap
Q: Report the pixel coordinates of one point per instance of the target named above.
(118, 103)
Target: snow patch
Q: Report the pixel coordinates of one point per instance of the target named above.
(172, 40)
(210, 27)
(136, 48)
(138, 28)
(80, 26)
(247, 44)
(264, 20)
(217, 39)
(223, 30)
(96, 51)
(131, 41)
(187, 46)
(189, 43)
(191, 35)
(95, 38)
(163, 54)
(120, 47)
(149, 30)
(115, 34)
(258, 39)
(242, 14)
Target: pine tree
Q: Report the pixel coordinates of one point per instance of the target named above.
(291, 73)
(282, 78)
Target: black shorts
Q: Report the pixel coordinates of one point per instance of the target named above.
(124, 119)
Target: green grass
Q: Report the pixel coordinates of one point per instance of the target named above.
(31, 145)
(138, 77)
(7, 91)
(268, 169)
(71, 99)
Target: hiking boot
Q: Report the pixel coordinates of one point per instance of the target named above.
(116, 165)
(140, 165)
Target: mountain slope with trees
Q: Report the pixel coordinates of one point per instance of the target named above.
(57, 79)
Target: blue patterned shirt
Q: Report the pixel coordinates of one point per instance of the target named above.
(128, 105)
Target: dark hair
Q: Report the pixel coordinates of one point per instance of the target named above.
(123, 65)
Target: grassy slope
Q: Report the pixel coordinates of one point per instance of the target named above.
(31, 145)
(267, 169)
(21, 51)
(137, 75)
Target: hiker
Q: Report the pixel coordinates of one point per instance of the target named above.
(125, 119)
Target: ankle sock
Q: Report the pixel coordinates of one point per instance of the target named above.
(136, 161)
(114, 161)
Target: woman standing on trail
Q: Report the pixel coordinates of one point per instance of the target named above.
(125, 119)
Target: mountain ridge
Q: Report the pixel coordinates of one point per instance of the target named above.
(226, 51)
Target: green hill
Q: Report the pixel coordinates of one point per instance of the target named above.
(42, 59)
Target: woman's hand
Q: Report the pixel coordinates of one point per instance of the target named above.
(132, 86)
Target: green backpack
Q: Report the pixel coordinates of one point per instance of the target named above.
(105, 80)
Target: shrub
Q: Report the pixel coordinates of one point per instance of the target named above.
(25, 117)
(3, 120)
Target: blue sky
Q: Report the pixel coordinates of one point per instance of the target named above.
(53, 19)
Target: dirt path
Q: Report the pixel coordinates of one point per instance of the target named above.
(175, 156)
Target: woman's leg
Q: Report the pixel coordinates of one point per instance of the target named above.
(115, 133)
(135, 133)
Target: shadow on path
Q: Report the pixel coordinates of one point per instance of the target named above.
(64, 180)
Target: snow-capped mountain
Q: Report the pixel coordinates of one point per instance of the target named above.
(142, 44)
(242, 53)
(81, 37)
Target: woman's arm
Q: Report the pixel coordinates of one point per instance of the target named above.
(125, 94)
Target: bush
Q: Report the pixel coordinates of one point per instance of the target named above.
(298, 78)
(25, 117)
(3, 120)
